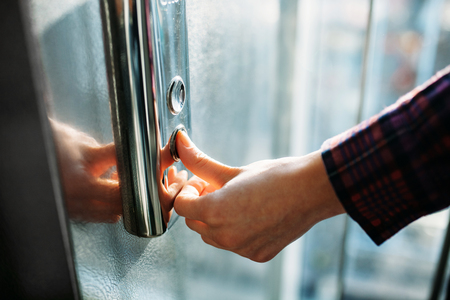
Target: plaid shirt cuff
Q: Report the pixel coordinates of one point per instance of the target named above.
(395, 167)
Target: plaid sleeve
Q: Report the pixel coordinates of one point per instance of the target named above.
(395, 167)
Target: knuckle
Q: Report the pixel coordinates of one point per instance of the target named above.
(232, 172)
(201, 159)
(262, 256)
(206, 240)
(189, 223)
(179, 207)
(176, 205)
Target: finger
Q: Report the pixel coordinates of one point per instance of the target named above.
(202, 165)
(207, 190)
(188, 203)
(197, 184)
(172, 173)
(166, 159)
(260, 254)
(166, 182)
(104, 190)
(100, 159)
(173, 185)
(167, 216)
(177, 182)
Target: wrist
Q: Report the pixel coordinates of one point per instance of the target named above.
(324, 201)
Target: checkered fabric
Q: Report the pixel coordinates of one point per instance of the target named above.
(395, 167)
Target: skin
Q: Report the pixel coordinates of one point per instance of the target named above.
(91, 190)
(82, 160)
(173, 183)
(255, 210)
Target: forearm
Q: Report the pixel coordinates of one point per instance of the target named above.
(313, 182)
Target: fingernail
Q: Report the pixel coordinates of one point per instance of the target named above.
(184, 139)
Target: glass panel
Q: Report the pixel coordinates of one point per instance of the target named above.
(408, 44)
(233, 59)
(331, 37)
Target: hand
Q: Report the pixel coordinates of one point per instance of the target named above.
(256, 210)
(173, 182)
(91, 197)
(82, 161)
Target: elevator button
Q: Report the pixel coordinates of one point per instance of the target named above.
(173, 144)
(176, 95)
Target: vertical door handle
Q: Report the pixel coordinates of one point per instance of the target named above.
(147, 64)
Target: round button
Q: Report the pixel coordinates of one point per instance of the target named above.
(176, 95)
(173, 140)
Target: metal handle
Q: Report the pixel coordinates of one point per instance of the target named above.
(146, 51)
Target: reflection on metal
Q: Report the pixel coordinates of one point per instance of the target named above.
(172, 142)
(145, 47)
(176, 95)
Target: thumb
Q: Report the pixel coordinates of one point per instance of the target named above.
(201, 164)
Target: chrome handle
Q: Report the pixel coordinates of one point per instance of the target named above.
(147, 61)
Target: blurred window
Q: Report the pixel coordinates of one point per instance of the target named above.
(408, 41)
